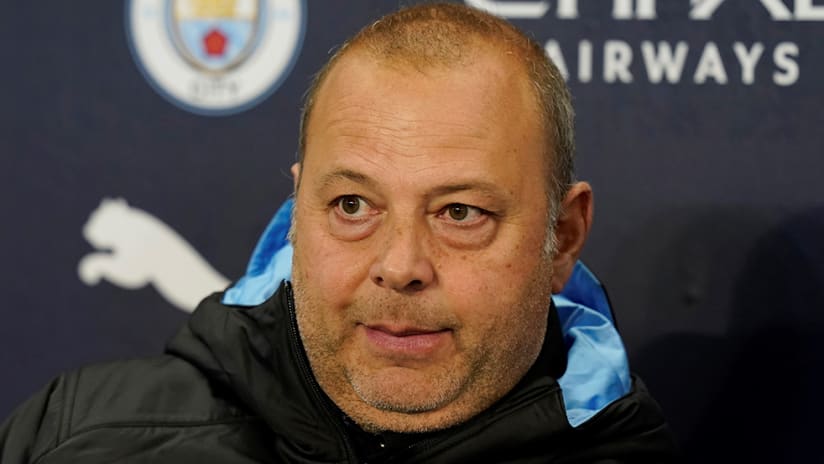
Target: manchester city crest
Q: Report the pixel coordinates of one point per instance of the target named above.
(215, 57)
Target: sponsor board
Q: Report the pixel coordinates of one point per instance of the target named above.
(669, 58)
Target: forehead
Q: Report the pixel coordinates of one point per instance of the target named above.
(378, 107)
(485, 69)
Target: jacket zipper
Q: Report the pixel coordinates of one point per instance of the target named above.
(303, 366)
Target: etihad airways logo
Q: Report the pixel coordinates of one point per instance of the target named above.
(672, 58)
(802, 10)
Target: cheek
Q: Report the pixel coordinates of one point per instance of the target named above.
(331, 270)
(483, 284)
(496, 280)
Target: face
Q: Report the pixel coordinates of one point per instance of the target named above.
(420, 284)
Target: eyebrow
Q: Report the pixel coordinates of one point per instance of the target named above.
(486, 188)
(347, 174)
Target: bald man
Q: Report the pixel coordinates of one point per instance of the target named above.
(435, 309)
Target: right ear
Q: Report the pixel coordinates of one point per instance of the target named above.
(296, 176)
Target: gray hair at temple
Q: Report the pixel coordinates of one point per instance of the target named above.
(446, 35)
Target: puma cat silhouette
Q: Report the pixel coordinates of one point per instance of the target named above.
(137, 249)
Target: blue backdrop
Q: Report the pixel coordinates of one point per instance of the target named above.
(699, 126)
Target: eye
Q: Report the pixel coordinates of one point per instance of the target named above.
(462, 226)
(352, 206)
(459, 212)
(352, 217)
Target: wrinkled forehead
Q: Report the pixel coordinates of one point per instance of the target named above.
(498, 78)
(473, 118)
(488, 81)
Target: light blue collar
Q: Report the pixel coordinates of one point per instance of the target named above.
(597, 368)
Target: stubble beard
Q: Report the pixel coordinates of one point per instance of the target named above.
(439, 397)
(360, 388)
(431, 389)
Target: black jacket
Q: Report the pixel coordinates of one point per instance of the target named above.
(235, 387)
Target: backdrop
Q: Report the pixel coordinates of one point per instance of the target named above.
(145, 145)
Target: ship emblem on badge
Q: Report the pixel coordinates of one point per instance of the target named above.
(215, 57)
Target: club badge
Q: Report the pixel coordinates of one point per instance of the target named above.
(215, 57)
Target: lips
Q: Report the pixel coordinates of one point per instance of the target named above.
(405, 341)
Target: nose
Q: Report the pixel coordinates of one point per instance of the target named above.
(403, 264)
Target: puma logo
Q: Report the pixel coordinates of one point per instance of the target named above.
(137, 249)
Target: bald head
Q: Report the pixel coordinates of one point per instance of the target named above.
(451, 35)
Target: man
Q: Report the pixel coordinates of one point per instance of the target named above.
(435, 213)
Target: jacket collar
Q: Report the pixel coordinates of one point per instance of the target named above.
(256, 355)
(596, 370)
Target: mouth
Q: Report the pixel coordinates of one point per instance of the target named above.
(405, 341)
(401, 330)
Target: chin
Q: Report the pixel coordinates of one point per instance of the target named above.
(407, 390)
(376, 420)
(412, 406)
